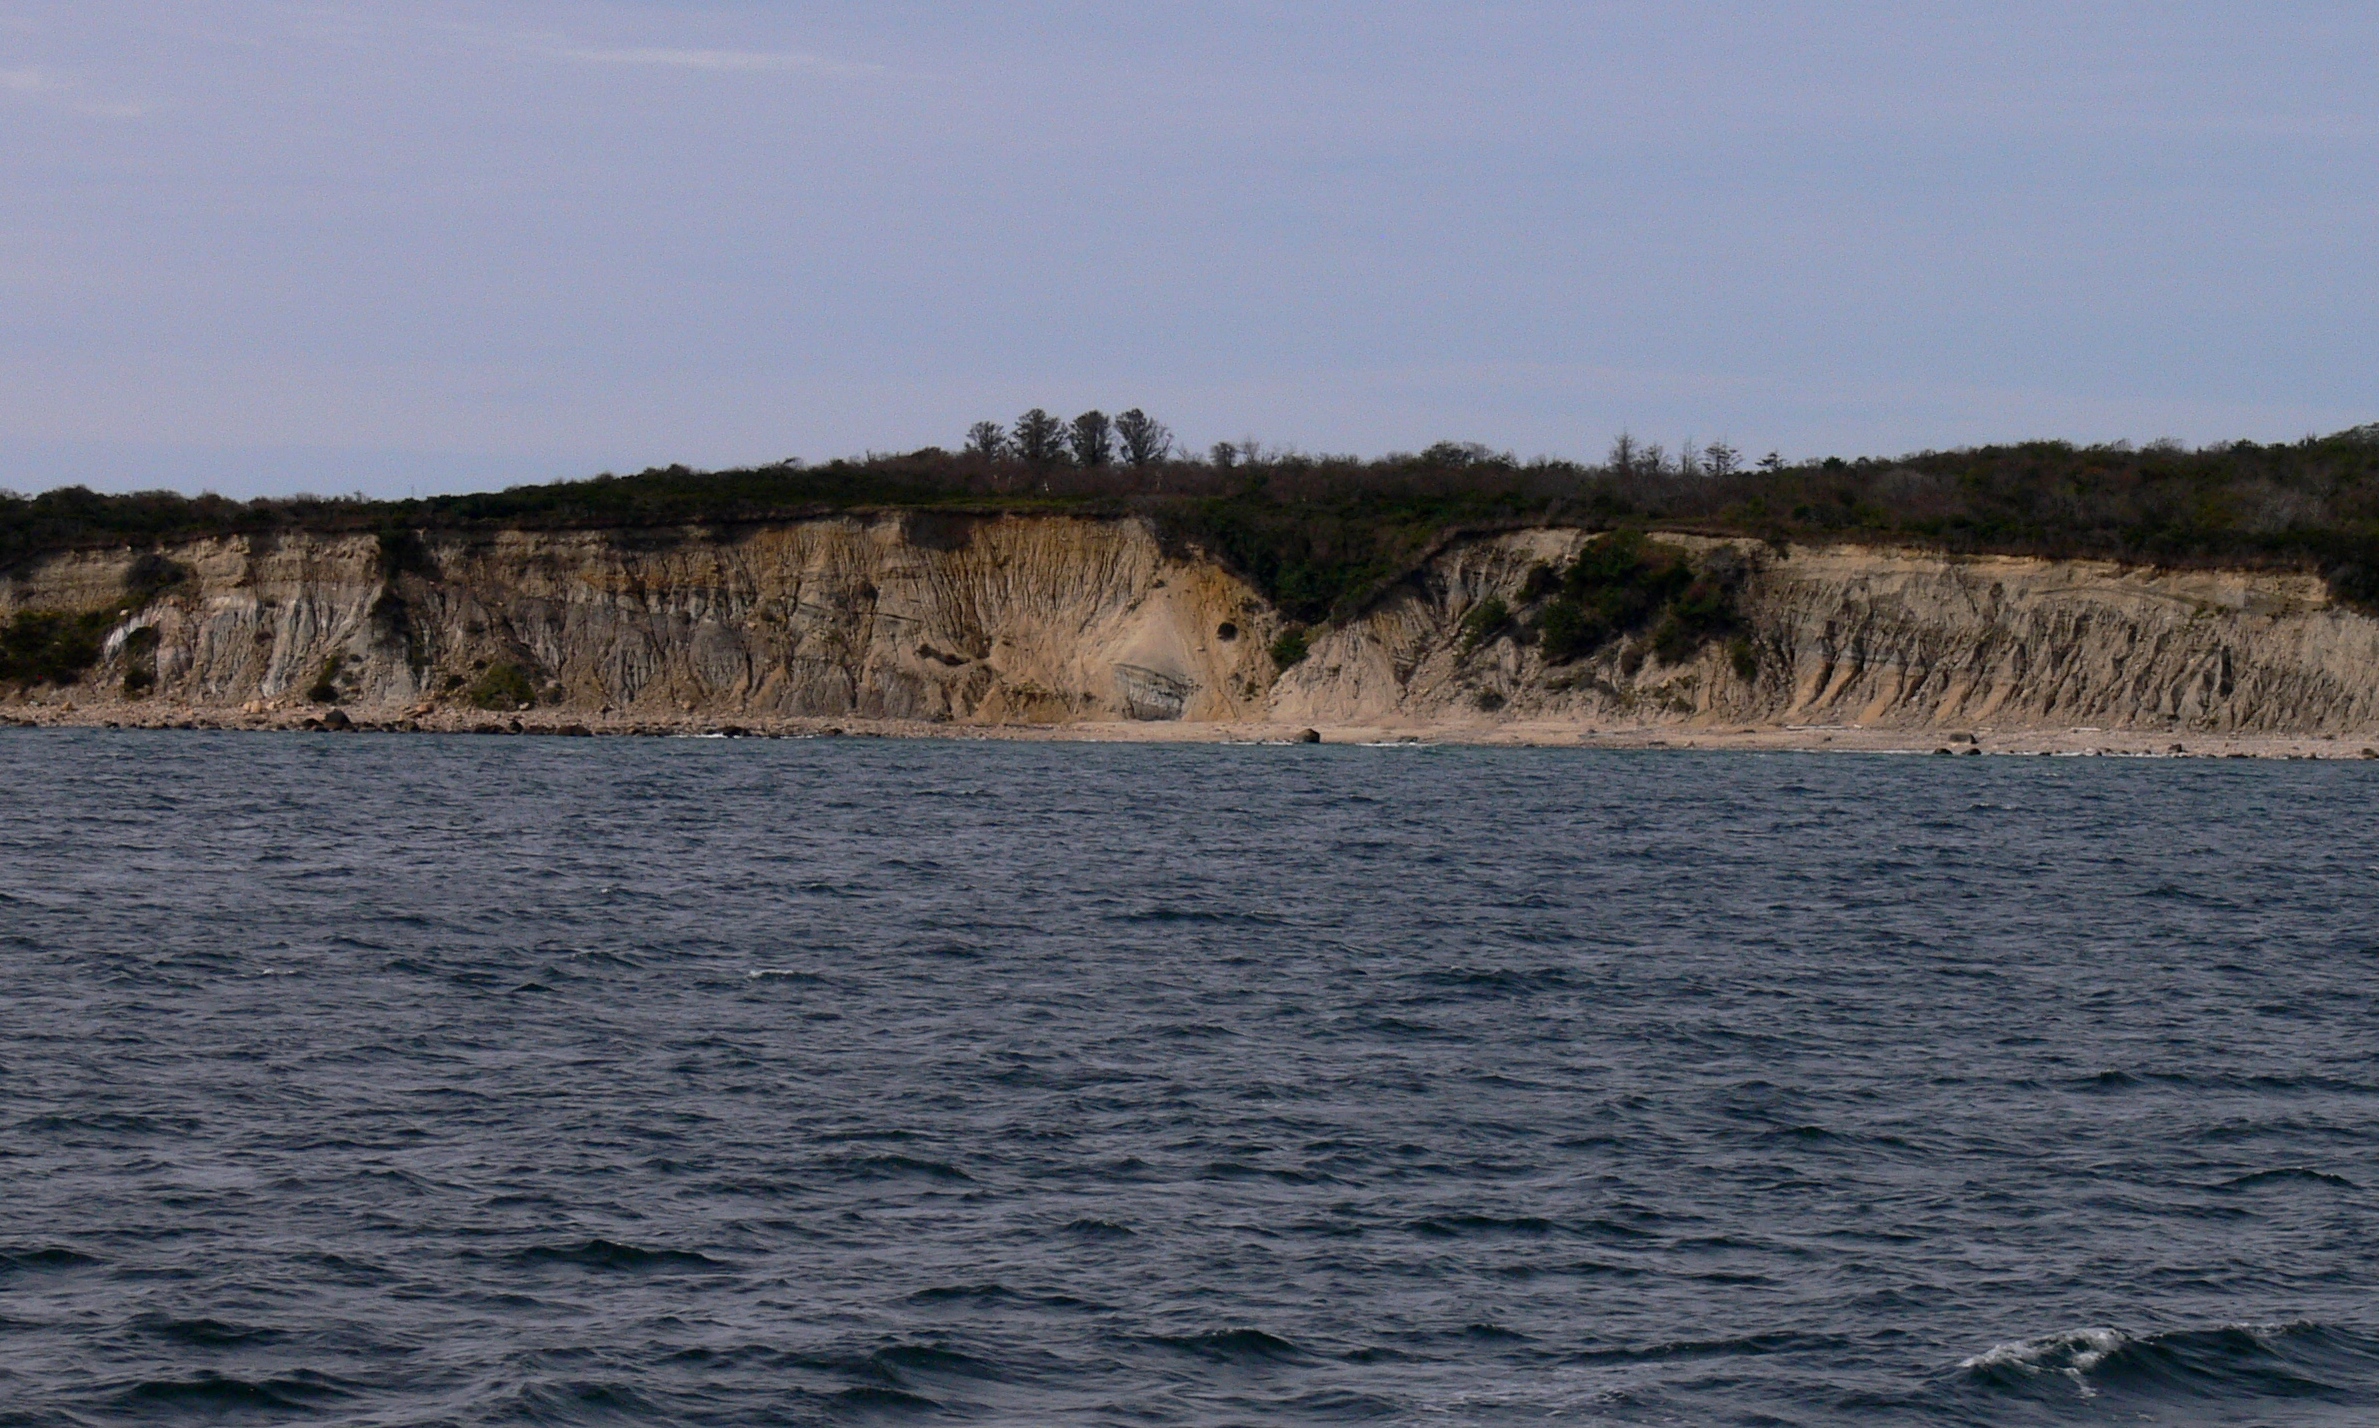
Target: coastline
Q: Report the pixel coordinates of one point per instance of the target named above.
(1789, 738)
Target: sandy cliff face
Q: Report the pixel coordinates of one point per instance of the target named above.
(1857, 635)
(1051, 619)
(900, 616)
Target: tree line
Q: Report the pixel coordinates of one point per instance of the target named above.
(1090, 441)
(1317, 531)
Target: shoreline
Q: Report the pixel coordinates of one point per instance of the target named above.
(1788, 738)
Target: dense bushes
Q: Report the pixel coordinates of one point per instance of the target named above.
(1624, 584)
(51, 646)
(501, 686)
(1289, 646)
(56, 646)
(1322, 535)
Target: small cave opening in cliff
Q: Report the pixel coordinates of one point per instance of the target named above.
(1226, 631)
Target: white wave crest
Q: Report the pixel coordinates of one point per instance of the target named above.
(2072, 1354)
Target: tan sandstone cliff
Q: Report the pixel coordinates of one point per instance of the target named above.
(1051, 620)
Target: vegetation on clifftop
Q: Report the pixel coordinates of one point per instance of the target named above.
(1322, 535)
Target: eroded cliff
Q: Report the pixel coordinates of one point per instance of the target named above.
(1026, 619)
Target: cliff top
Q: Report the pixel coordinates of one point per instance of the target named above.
(1319, 533)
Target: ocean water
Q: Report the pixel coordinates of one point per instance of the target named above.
(417, 1080)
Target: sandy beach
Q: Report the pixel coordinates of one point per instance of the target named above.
(1799, 738)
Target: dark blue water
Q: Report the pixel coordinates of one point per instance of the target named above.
(390, 1080)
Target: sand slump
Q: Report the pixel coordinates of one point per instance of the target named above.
(1059, 620)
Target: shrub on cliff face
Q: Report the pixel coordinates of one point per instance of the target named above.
(140, 661)
(1622, 584)
(51, 646)
(501, 686)
(57, 646)
(1486, 620)
(1289, 647)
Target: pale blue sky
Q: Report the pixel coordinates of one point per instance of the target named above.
(270, 245)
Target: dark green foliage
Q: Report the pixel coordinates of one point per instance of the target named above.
(140, 661)
(56, 646)
(501, 686)
(403, 552)
(325, 689)
(1289, 646)
(987, 440)
(1146, 441)
(1486, 620)
(1321, 536)
(1568, 632)
(1091, 439)
(1040, 439)
(1740, 655)
(1622, 584)
(51, 646)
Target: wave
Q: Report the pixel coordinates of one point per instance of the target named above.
(2300, 1360)
(290, 1393)
(1090, 1229)
(2302, 1174)
(46, 1257)
(611, 1254)
(1235, 1346)
(997, 1296)
(1454, 1226)
(897, 1167)
(206, 1333)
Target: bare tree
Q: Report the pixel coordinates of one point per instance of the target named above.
(1722, 459)
(1622, 460)
(1146, 441)
(987, 439)
(1040, 438)
(1689, 459)
(1224, 455)
(1092, 437)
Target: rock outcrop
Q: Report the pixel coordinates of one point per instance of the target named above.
(1052, 619)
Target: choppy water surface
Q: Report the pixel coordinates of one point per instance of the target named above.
(418, 1080)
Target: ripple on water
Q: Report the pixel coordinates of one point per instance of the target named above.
(810, 1081)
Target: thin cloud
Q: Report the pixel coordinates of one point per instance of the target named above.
(58, 92)
(723, 61)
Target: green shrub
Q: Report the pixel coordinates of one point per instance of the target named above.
(1739, 654)
(1568, 632)
(52, 646)
(140, 662)
(1290, 646)
(501, 686)
(1623, 583)
(1485, 621)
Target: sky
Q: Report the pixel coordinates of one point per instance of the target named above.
(281, 245)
